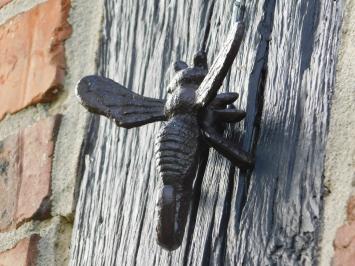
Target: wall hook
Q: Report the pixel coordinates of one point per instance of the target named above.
(195, 115)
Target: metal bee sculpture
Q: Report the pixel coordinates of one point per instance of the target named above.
(195, 115)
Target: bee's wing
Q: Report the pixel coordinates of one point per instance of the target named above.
(220, 67)
(105, 97)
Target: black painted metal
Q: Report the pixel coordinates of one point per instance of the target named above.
(284, 74)
(195, 118)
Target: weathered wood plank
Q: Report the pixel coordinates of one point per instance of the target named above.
(115, 225)
(281, 218)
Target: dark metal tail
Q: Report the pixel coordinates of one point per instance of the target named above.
(172, 216)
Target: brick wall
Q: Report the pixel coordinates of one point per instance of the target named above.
(33, 54)
(45, 47)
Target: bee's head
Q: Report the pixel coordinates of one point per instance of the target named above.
(181, 90)
(189, 77)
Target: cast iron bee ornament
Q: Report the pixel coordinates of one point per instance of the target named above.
(195, 115)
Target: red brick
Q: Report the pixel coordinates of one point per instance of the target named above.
(350, 211)
(4, 2)
(32, 56)
(344, 236)
(344, 245)
(25, 173)
(23, 254)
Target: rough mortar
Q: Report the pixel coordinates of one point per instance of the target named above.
(54, 243)
(81, 52)
(54, 247)
(12, 123)
(45, 229)
(340, 155)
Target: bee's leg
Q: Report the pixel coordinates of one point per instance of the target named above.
(223, 99)
(213, 122)
(229, 115)
(230, 150)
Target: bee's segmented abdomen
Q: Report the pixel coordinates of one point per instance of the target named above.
(176, 147)
(176, 156)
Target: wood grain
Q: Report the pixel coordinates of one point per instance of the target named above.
(284, 73)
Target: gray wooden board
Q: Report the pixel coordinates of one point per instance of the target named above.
(284, 73)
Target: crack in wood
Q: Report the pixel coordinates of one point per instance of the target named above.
(257, 80)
